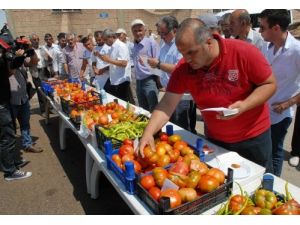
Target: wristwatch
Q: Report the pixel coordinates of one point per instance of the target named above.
(158, 65)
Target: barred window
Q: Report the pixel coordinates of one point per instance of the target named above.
(66, 10)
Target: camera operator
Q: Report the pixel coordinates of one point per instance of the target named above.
(19, 98)
(8, 163)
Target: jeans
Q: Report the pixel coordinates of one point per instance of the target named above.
(147, 93)
(7, 141)
(22, 114)
(257, 149)
(184, 115)
(296, 135)
(278, 132)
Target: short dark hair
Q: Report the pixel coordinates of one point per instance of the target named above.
(98, 33)
(47, 35)
(170, 21)
(84, 40)
(276, 16)
(61, 35)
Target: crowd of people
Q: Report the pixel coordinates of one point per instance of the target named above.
(200, 63)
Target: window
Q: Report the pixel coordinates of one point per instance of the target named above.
(66, 10)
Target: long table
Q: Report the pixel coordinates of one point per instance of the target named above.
(96, 164)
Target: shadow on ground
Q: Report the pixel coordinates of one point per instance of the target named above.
(72, 160)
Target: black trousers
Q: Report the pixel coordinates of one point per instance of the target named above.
(296, 135)
(7, 141)
(37, 84)
(122, 91)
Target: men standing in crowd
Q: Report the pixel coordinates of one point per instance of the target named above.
(146, 89)
(8, 163)
(283, 54)
(118, 83)
(224, 22)
(73, 57)
(100, 67)
(37, 68)
(185, 113)
(62, 43)
(50, 55)
(221, 72)
(241, 28)
(87, 59)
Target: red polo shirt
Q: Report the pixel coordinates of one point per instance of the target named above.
(232, 76)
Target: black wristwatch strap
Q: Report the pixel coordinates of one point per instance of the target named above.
(158, 65)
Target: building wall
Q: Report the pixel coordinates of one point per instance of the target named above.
(26, 22)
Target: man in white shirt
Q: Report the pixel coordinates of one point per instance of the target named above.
(283, 53)
(240, 28)
(100, 67)
(87, 59)
(37, 68)
(62, 43)
(50, 55)
(119, 67)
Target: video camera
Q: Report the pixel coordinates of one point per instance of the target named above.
(14, 45)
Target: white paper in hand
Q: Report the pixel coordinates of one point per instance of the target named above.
(226, 111)
(145, 62)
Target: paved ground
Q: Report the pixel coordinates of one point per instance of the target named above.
(58, 182)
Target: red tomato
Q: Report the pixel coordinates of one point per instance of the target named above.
(173, 138)
(159, 175)
(126, 149)
(163, 160)
(127, 157)
(160, 149)
(180, 144)
(147, 182)
(117, 159)
(218, 174)
(128, 142)
(155, 193)
(137, 166)
(163, 136)
(180, 167)
(208, 183)
(175, 199)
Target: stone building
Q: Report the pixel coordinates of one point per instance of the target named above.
(85, 21)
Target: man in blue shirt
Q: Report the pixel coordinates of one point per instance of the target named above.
(144, 47)
(185, 113)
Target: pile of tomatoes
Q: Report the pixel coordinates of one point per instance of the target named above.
(263, 202)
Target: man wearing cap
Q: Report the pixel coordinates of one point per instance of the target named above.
(240, 28)
(118, 59)
(144, 47)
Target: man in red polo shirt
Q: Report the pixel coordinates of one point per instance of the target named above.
(221, 73)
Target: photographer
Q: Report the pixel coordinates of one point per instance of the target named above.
(19, 98)
(8, 164)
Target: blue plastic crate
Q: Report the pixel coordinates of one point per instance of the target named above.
(127, 177)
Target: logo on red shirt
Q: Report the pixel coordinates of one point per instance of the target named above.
(233, 75)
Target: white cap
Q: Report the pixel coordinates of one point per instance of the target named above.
(137, 22)
(120, 30)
